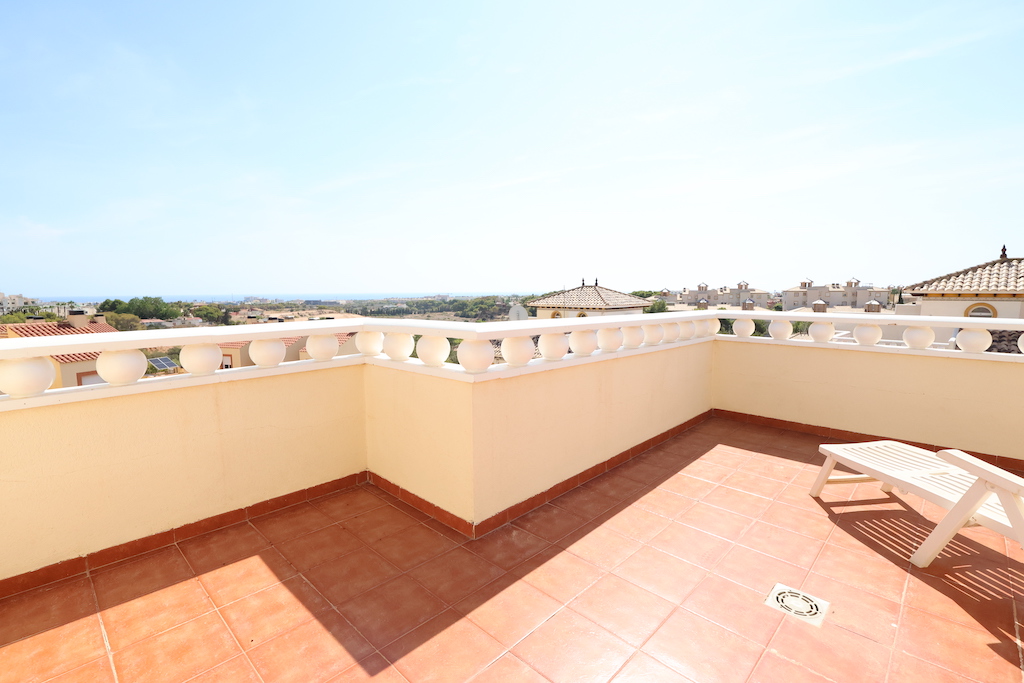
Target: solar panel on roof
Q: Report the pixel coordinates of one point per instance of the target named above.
(163, 363)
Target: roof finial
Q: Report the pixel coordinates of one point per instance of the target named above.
(595, 282)
(583, 282)
(1003, 255)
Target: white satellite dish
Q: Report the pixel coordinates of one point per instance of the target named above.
(517, 312)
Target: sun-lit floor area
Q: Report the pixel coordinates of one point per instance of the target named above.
(654, 571)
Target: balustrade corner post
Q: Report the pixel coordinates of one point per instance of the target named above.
(583, 342)
(398, 345)
(822, 332)
(632, 337)
(553, 346)
(266, 353)
(121, 368)
(743, 327)
(867, 335)
(26, 377)
(780, 329)
(973, 340)
(517, 351)
(322, 347)
(686, 331)
(370, 342)
(609, 339)
(653, 335)
(433, 350)
(201, 359)
(475, 355)
(918, 337)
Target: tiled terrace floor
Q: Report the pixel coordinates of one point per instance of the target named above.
(655, 571)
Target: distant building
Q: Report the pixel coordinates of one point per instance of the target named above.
(587, 300)
(851, 294)
(989, 290)
(9, 303)
(73, 369)
(723, 296)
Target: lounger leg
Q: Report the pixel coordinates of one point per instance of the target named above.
(1014, 509)
(823, 475)
(954, 520)
(885, 487)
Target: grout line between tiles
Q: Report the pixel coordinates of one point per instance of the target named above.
(103, 626)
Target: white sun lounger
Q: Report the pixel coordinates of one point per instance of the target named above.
(971, 489)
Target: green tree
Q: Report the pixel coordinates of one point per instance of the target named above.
(643, 293)
(210, 314)
(16, 317)
(658, 306)
(125, 322)
(111, 305)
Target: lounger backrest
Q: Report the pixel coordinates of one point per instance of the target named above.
(983, 470)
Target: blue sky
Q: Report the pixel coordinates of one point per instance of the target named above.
(256, 148)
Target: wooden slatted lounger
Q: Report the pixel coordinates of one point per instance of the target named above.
(958, 482)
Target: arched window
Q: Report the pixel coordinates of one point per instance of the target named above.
(581, 314)
(556, 314)
(981, 311)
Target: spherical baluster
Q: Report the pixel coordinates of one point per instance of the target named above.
(867, 335)
(266, 353)
(433, 350)
(822, 332)
(370, 343)
(918, 337)
(322, 346)
(701, 329)
(201, 359)
(517, 351)
(475, 355)
(398, 345)
(24, 377)
(671, 332)
(120, 368)
(973, 340)
(553, 346)
(686, 331)
(632, 337)
(653, 335)
(583, 342)
(743, 327)
(609, 339)
(714, 325)
(780, 329)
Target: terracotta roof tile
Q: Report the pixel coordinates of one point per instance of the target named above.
(1001, 275)
(50, 329)
(591, 297)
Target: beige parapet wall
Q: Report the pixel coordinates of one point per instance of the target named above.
(959, 402)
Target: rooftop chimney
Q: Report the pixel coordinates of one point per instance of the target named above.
(819, 306)
(99, 318)
(872, 307)
(702, 305)
(748, 305)
(78, 318)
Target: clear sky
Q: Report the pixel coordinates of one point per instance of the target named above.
(251, 147)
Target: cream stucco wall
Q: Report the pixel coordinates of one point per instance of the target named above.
(1005, 308)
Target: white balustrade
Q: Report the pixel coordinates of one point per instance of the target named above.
(918, 337)
(370, 343)
(686, 331)
(671, 332)
(322, 347)
(398, 345)
(201, 359)
(475, 355)
(121, 368)
(632, 337)
(266, 353)
(780, 329)
(701, 329)
(609, 339)
(743, 327)
(517, 351)
(653, 335)
(974, 340)
(24, 377)
(867, 335)
(822, 332)
(433, 350)
(714, 325)
(583, 342)
(553, 346)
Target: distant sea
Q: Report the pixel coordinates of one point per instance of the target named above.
(358, 296)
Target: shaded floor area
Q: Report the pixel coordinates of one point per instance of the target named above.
(654, 571)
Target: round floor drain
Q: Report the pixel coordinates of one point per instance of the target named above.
(797, 603)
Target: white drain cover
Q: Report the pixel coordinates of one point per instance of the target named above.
(797, 603)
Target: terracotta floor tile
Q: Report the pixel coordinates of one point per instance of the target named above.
(179, 654)
(306, 552)
(412, 546)
(446, 649)
(600, 546)
(263, 615)
(341, 506)
(643, 668)
(44, 608)
(508, 609)
(237, 670)
(727, 456)
(549, 522)
(391, 610)
(979, 597)
(871, 574)
(374, 525)
(584, 502)
(701, 650)
(151, 572)
(708, 471)
(863, 613)
(740, 502)
(446, 531)
(569, 648)
(402, 506)
(558, 573)
(97, 671)
(778, 542)
(692, 545)
(801, 521)
(314, 651)
(55, 651)
(154, 613)
(509, 669)
(664, 503)
(642, 472)
(907, 669)
(773, 468)
(343, 578)
(755, 484)
(507, 547)
(373, 668)
(623, 608)
(455, 574)
(685, 484)
(635, 523)
(978, 654)
(713, 520)
(758, 571)
(614, 485)
(775, 669)
(246, 575)
(799, 497)
(831, 651)
(662, 574)
(737, 608)
(218, 548)
(291, 522)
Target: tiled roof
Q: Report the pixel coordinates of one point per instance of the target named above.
(590, 296)
(76, 357)
(1001, 275)
(233, 344)
(51, 329)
